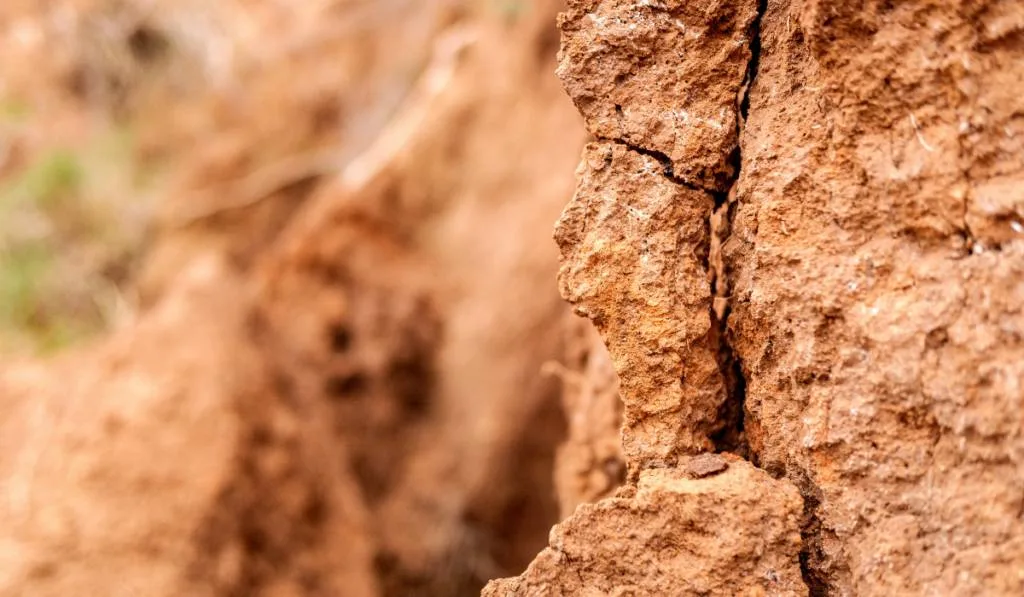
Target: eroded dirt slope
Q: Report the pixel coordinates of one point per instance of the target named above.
(148, 465)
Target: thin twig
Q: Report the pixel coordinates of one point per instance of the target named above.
(920, 137)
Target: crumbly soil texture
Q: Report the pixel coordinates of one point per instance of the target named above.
(773, 345)
(800, 234)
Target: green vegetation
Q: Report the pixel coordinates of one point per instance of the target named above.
(52, 181)
(511, 10)
(62, 222)
(13, 110)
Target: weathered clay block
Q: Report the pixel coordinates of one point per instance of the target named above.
(662, 75)
(734, 533)
(878, 276)
(634, 250)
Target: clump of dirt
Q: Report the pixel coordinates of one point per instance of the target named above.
(656, 541)
(621, 66)
(628, 217)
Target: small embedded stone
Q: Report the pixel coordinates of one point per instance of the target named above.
(706, 465)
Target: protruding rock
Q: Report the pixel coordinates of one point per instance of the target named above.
(663, 75)
(705, 465)
(736, 533)
(634, 260)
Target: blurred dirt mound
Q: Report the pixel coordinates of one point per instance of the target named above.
(152, 465)
(334, 384)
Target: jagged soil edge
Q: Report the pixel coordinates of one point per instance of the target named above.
(603, 276)
(664, 331)
(730, 437)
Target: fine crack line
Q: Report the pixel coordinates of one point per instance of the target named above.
(666, 164)
(753, 66)
(969, 240)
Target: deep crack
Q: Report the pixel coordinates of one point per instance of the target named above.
(753, 66)
(730, 361)
(810, 536)
(732, 437)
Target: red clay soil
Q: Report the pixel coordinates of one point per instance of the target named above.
(861, 295)
(797, 235)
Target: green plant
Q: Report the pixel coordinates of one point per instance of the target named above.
(64, 217)
(22, 270)
(13, 110)
(54, 179)
(511, 10)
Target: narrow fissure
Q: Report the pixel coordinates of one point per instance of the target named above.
(753, 66)
(810, 538)
(734, 439)
(968, 240)
(731, 437)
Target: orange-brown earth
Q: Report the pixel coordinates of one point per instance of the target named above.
(333, 385)
(801, 235)
(797, 234)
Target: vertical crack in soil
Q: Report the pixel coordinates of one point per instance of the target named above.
(752, 68)
(731, 436)
(967, 237)
(811, 555)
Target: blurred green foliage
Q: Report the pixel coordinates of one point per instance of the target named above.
(53, 180)
(12, 110)
(61, 223)
(511, 10)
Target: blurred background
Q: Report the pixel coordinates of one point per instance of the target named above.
(110, 110)
(278, 311)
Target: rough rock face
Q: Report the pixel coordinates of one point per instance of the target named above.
(729, 533)
(636, 243)
(866, 260)
(635, 252)
(661, 75)
(878, 256)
